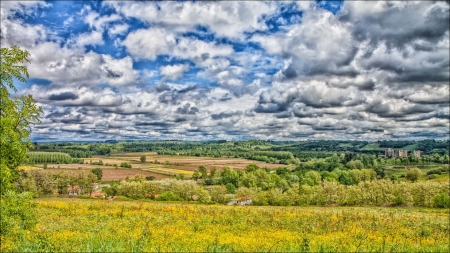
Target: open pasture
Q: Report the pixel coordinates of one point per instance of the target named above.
(74, 225)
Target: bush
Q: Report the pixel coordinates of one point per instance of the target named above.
(125, 165)
(413, 174)
(441, 200)
(398, 201)
(168, 196)
(436, 171)
(394, 178)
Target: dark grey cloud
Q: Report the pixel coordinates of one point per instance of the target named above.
(187, 109)
(63, 96)
(112, 74)
(188, 89)
(224, 115)
(396, 24)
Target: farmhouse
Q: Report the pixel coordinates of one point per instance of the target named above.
(243, 201)
(75, 190)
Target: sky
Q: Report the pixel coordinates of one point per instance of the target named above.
(234, 70)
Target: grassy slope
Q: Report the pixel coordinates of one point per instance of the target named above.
(411, 147)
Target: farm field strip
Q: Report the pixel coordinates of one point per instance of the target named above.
(28, 167)
(185, 160)
(168, 170)
(97, 225)
(113, 174)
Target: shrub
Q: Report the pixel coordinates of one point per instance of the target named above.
(394, 178)
(441, 200)
(125, 165)
(436, 171)
(168, 196)
(413, 174)
(398, 201)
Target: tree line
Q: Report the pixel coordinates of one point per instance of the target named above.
(375, 192)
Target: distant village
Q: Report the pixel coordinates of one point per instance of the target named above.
(394, 153)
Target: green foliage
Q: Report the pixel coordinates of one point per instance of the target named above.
(17, 115)
(394, 178)
(435, 171)
(203, 171)
(17, 212)
(125, 165)
(143, 159)
(398, 201)
(441, 200)
(98, 172)
(314, 176)
(168, 196)
(413, 174)
(112, 190)
(231, 188)
(196, 175)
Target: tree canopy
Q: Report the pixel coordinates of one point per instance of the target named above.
(17, 115)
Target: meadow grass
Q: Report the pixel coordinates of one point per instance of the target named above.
(100, 226)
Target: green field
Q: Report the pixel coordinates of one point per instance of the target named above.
(411, 147)
(74, 225)
(371, 146)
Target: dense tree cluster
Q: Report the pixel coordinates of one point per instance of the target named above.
(43, 183)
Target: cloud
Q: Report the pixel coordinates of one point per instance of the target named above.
(149, 43)
(118, 29)
(92, 38)
(174, 72)
(228, 19)
(320, 45)
(224, 115)
(187, 109)
(154, 41)
(63, 96)
(238, 70)
(380, 22)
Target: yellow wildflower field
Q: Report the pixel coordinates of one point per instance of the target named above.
(75, 225)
